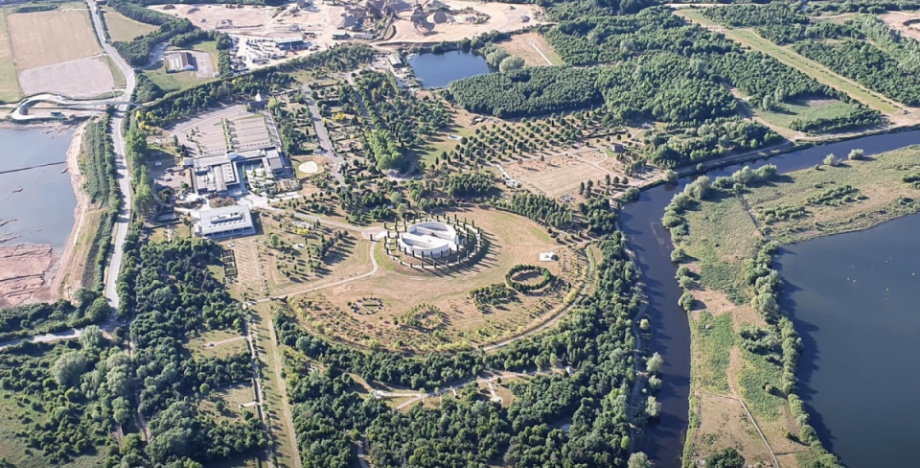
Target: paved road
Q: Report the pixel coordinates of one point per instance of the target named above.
(324, 141)
(64, 102)
(123, 175)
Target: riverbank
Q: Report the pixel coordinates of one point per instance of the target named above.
(739, 348)
(72, 267)
(668, 439)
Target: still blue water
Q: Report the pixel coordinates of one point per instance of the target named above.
(854, 300)
(42, 212)
(438, 70)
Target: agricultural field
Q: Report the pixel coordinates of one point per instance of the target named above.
(124, 29)
(52, 51)
(403, 308)
(9, 83)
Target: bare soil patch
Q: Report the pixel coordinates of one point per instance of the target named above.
(48, 37)
(908, 24)
(25, 274)
(81, 78)
(724, 424)
(462, 23)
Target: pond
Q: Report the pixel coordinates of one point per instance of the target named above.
(641, 221)
(36, 203)
(854, 299)
(438, 70)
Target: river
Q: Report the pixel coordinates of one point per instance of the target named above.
(652, 244)
(36, 205)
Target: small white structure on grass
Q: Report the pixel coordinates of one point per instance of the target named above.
(548, 256)
(429, 239)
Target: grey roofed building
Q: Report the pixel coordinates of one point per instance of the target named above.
(227, 221)
(179, 61)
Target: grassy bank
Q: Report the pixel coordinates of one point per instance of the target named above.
(847, 196)
(97, 163)
(744, 350)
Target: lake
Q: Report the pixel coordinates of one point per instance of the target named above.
(641, 222)
(854, 300)
(438, 70)
(42, 212)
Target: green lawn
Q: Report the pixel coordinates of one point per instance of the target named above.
(789, 112)
(187, 79)
(722, 234)
(9, 81)
(713, 338)
(122, 28)
(116, 73)
(822, 74)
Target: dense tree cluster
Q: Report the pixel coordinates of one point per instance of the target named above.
(468, 431)
(98, 165)
(664, 87)
(744, 16)
(171, 293)
(64, 413)
(531, 91)
(468, 184)
(33, 319)
(867, 64)
(391, 107)
(541, 209)
(597, 39)
(708, 141)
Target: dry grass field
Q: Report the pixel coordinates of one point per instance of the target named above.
(558, 176)
(373, 311)
(9, 84)
(49, 37)
(878, 193)
(122, 28)
(533, 48)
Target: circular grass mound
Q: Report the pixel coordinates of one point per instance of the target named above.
(519, 278)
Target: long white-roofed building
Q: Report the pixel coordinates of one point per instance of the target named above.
(227, 221)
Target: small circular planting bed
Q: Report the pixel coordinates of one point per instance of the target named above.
(527, 278)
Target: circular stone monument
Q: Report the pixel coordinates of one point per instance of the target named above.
(431, 239)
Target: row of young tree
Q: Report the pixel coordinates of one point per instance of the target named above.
(98, 165)
(329, 413)
(409, 119)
